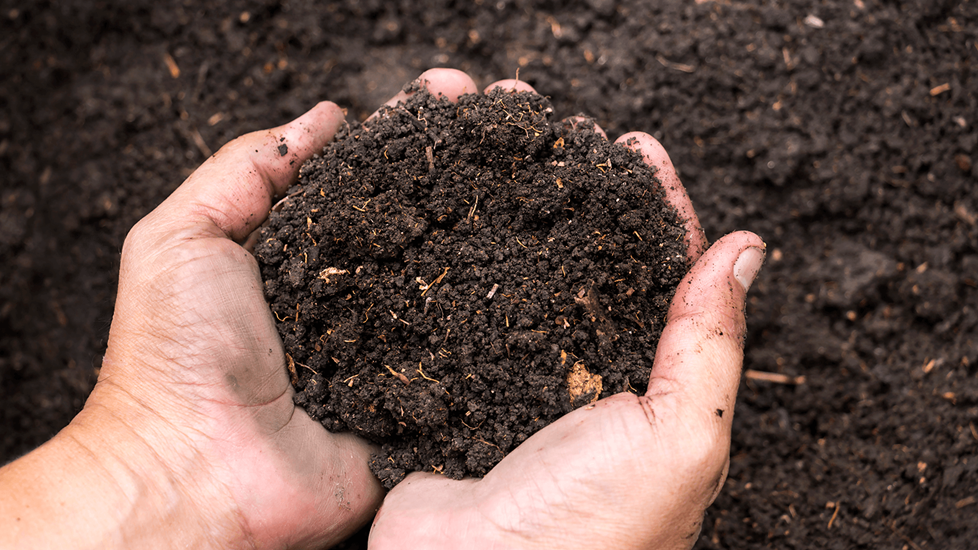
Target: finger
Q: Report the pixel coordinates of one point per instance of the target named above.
(510, 85)
(231, 193)
(655, 155)
(700, 352)
(447, 83)
(330, 490)
(580, 122)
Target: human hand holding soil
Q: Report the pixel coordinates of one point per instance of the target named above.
(191, 437)
(627, 471)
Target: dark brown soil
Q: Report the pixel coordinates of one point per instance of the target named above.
(450, 278)
(842, 131)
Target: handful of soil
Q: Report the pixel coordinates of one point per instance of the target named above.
(449, 278)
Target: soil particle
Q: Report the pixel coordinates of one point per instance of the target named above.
(450, 278)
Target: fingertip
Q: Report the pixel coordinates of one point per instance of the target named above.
(234, 189)
(720, 262)
(279, 152)
(743, 239)
(328, 111)
(747, 266)
(510, 85)
(753, 251)
(447, 83)
(642, 142)
(317, 126)
(654, 154)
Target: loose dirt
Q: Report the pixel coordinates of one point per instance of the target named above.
(451, 278)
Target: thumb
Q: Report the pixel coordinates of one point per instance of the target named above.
(231, 193)
(700, 353)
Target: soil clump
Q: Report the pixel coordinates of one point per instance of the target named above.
(449, 278)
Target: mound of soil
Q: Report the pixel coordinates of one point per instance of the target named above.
(450, 278)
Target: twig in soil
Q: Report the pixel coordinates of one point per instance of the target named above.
(472, 210)
(200, 143)
(394, 315)
(281, 320)
(426, 377)
(436, 281)
(486, 442)
(838, 506)
(331, 272)
(399, 376)
(171, 65)
(201, 78)
(774, 377)
(294, 376)
(673, 65)
(938, 90)
(305, 366)
(278, 206)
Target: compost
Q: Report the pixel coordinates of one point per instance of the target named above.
(449, 278)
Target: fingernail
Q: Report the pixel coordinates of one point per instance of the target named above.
(747, 265)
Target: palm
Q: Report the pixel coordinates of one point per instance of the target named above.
(241, 405)
(191, 324)
(593, 479)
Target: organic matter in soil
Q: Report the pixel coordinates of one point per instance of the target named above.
(449, 278)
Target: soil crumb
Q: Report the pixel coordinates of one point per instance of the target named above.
(449, 278)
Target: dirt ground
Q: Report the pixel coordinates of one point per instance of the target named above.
(842, 131)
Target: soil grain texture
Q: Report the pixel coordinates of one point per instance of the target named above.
(450, 278)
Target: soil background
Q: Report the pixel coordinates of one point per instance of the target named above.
(552, 258)
(841, 131)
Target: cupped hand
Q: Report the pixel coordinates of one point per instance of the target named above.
(191, 437)
(194, 368)
(629, 471)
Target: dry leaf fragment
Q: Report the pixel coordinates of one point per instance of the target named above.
(331, 272)
(583, 386)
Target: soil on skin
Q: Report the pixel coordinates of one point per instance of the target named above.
(449, 278)
(842, 131)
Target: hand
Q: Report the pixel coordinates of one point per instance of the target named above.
(191, 437)
(628, 471)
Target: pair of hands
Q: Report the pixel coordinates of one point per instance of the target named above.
(191, 437)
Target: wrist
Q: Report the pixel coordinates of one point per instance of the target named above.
(167, 495)
(117, 480)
